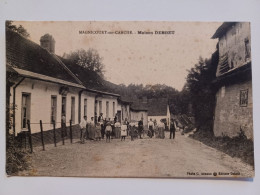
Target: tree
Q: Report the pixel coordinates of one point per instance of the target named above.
(202, 92)
(20, 29)
(89, 59)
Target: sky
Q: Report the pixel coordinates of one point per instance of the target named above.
(135, 58)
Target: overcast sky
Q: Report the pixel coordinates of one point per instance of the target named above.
(135, 58)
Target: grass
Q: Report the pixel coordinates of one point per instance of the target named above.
(17, 159)
(238, 146)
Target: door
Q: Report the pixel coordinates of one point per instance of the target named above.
(119, 116)
(72, 110)
(63, 108)
(26, 106)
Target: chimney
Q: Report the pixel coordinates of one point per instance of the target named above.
(48, 42)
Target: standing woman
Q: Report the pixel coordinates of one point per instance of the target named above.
(91, 129)
(101, 121)
(123, 131)
(98, 131)
(161, 127)
(117, 129)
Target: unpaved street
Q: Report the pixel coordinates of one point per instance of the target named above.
(139, 158)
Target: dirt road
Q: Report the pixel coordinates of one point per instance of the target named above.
(146, 157)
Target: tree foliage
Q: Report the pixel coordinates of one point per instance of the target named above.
(89, 59)
(202, 92)
(20, 29)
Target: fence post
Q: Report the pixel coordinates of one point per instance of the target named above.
(30, 135)
(54, 134)
(62, 131)
(43, 147)
(70, 131)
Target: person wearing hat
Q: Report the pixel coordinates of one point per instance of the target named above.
(172, 128)
(101, 121)
(140, 128)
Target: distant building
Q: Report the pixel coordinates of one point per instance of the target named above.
(233, 111)
(123, 109)
(158, 109)
(139, 111)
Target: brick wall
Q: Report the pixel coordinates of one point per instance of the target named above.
(230, 116)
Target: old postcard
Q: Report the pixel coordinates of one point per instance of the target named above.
(129, 99)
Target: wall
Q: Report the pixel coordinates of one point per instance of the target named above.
(137, 115)
(110, 99)
(229, 115)
(90, 104)
(125, 112)
(233, 43)
(158, 118)
(41, 93)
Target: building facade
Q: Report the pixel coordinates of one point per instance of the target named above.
(159, 109)
(234, 104)
(42, 87)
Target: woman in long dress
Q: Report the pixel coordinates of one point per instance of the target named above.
(117, 129)
(91, 129)
(161, 128)
(123, 131)
(98, 131)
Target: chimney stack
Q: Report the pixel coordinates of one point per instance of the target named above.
(48, 42)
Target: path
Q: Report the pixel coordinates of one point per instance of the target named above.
(182, 157)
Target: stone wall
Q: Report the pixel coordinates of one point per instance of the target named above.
(236, 45)
(230, 114)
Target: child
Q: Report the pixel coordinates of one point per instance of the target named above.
(98, 132)
(123, 131)
(108, 131)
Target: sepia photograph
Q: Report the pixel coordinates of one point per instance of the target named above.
(129, 99)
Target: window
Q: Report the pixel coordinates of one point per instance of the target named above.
(247, 49)
(85, 107)
(63, 106)
(96, 105)
(25, 109)
(53, 109)
(100, 107)
(72, 110)
(114, 109)
(107, 109)
(244, 98)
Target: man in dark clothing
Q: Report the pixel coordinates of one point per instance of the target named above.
(172, 129)
(140, 128)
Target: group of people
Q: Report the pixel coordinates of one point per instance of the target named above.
(158, 129)
(99, 127)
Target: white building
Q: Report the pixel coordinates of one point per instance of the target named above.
(158, 109)
(40, 86)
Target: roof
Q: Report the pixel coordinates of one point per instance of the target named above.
(223, 29)
(157, 107)
(37, 76)
(139, 106)
(90, 79)
(125, 99)
(29, 58)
